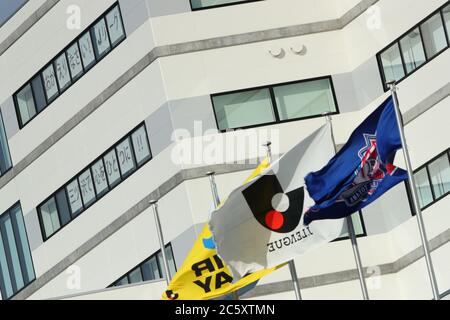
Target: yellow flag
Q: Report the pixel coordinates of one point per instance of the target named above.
(203, 274)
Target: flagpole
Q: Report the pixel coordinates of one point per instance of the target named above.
(291, 263)
(415, 197)
(154, 204)
(351, 232)
(216, 200)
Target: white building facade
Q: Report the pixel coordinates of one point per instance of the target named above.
(95, 96)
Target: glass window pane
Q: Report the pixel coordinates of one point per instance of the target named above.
(22, 241)
(112, 168)
(150, 270)
(101, 40)
(63, 207)
(62, 72)
(11, 250)
(87, 188)
(392, 64)
(73, 192)
(440, 175)
(5, 158)
(122, 282)
(74, 59)
(135, 276)
(423, 188)
(170, 260)
(243, 109)
(412, 50)
(39, 95)
(126, 160)
(196, 4)
(304, 99)
(50, 86)
(87, 51)
(101, 184)
(49, 216)
(140, 145)
(115, 26)
(446, 13)
(6, 285)
(433, 35)
(25, 103)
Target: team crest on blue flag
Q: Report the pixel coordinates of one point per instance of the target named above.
(361, 171)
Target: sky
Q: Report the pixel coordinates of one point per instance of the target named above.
(8, 8)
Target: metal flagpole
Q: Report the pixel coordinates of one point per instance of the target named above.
(415, 197)
(352, 234)
(154, 204)
(291, 263)
(216, 199)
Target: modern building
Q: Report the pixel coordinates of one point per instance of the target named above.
(93, 92)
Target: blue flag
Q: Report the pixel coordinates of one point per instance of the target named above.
(361, 171)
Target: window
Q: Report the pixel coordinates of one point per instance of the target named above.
(392, 64)
(75, 60)
(16, 265)
(433, 35)
(302, 100)
(25, 104)
(412, 50)
(423, 187)
(5, 158)
(9, 8)
(94, 181)
(151, 269)
(101, 38)
(416, 47)
(202, 4)
(440, 176)
(274, 104)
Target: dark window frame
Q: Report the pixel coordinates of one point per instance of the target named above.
(222, 5)
(397, 40)
(2, 126)
(8, 211)
(73, 80)
(273, 102)
(97, 197)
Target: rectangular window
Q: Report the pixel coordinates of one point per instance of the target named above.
(423, 187)
(16, 266)
(94, 181)
(87, 50)
(412, 50)
(50, 85)
(74, 194)
(170, 261)
(74, 59)
(135, 276)
(200, 4)
(243, 109)
(101, 39)
(150, 270)
(304, 99)
(115, 26)
(5, 158)
(440, 175)
(391, 61)
(433, 35)
(446, 14)
(25, 104)
(49, 216)
(39, 94)
(62, 72)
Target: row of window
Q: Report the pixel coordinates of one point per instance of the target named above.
(16, 265)
(274, 104)
(208, 4)
(67, 67)
(433, 180)
(5, 158)
(94, 181)
(151, 269)
(418, 46)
